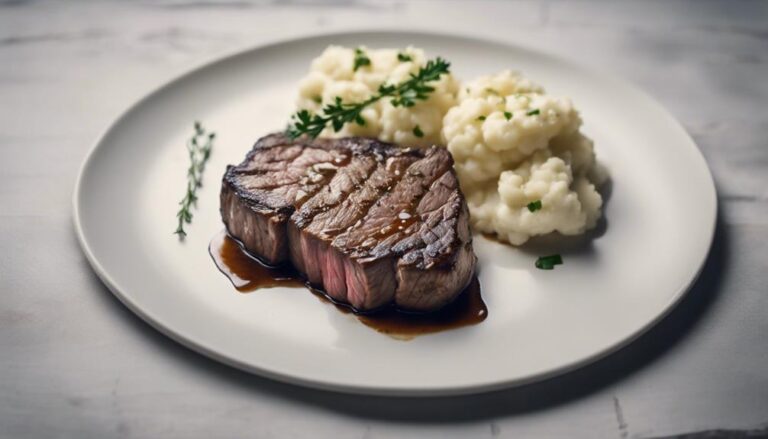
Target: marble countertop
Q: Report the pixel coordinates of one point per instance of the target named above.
(74, 363)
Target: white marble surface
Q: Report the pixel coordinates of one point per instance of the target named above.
(74, 363)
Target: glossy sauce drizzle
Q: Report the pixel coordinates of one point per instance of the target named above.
(248, 274)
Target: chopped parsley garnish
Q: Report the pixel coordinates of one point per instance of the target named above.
(317, 99)
(481, 118)
(404, 57)
(361, 59)
(533, 206)
(548, 262)
(507, 115)
(338, 113)
(417, 131)
(533, 112)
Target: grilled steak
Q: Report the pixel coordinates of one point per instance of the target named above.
(368, 222)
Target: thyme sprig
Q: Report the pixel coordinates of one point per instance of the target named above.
(338, 113)
(199, 148)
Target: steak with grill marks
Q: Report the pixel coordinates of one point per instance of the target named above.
(368, 222)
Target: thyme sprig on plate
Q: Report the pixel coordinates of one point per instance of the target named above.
(338, 113)
(199, 147)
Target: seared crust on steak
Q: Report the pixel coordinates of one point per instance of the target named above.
(368, 222)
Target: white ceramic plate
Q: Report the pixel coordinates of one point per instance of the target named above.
(661, 218)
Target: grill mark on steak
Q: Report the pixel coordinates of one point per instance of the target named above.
(432, 236)
(274, 160)
(324, 265)
(346, 181)
(389, 252)
(292, 172)
(369, 222)
(381, 221)
(281, 193)
(336, 220)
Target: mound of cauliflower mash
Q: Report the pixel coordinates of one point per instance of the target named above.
(514, 145)
(523, 165)
(333, 74)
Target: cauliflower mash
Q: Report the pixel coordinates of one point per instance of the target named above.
(333, 74)
(515, 145)
(523, 165)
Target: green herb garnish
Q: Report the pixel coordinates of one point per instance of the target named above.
(318, 99)
(404, 57)
(507, 115)
(548, 262)
(361, 59)
(533, 206)
(338, 113)
(481, 118)
(533, 112)
(199, 147)
(417, 131)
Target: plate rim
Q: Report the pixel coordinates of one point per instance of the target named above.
(179, 337)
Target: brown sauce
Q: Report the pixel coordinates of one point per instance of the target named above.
(248, 274)
(468, 309)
